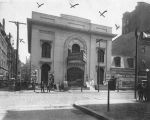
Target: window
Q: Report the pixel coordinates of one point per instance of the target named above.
(144, 49)
(100, 57)
(46, 50)
(117, 61)
(130, 62)
(75, 48)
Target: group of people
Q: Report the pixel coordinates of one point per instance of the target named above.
(49, 85)
(142, 89)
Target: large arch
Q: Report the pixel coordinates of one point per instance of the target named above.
(69, 42)
(45, 68)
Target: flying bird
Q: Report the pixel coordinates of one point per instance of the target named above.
(73, 6)
(117, 26)
(39, 5)
(102, 14)
(21, 40)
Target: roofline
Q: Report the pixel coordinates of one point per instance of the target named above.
(30, 22)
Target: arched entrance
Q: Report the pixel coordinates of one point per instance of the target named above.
(44, 73)
(75, 76)
(100, 75)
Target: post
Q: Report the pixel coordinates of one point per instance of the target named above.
(108, 97)
(136, 61)
(17, 24)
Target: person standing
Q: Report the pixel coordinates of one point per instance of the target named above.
(42, 86)
(140, 91)
(145, 91)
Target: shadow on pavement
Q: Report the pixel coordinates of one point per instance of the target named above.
(123, 111)
(54, 114)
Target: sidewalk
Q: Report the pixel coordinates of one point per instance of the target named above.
(119, 109)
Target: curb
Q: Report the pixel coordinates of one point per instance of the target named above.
(91, 112)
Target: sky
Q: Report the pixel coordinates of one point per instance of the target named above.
(20, 10)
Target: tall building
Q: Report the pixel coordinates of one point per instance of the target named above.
(68, 47)
(124, 47)
(138, 18)
(7, 55)
(3, 53)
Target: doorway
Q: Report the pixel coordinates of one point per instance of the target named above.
(44, 73)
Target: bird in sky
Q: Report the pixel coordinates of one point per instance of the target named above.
(102, 14)
(73, 5)
(21, 40)
(39, 5)
(117, 26)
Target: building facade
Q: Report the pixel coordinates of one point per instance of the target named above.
(67, 47)
(3, 53)
(138, 18)
(7, 55)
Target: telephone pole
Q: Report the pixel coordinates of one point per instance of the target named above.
(17, 24)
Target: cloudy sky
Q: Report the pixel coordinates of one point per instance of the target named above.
(20, 10)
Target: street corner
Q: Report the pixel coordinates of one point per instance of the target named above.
(91, 112)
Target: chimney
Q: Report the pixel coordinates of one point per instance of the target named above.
(4, 24)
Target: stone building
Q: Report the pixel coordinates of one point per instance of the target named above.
(66, 47)
(7, 54)
(138, 18)
(3, 53)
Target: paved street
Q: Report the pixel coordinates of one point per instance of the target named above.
(53, 114)
(31, 103)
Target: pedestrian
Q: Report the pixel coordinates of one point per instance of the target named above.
(34, 86)
(145, 91)
(140, 91)
(42, 86)
(49, 86)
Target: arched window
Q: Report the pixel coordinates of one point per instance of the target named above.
(75, 48)
(100, 57)
(117, 61)
(46, 50)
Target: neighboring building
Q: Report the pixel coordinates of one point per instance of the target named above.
(138, 18)
(7, 55)
(3, 53)
(123, 52)
(123, 62)
(124, 47)
(66, 46)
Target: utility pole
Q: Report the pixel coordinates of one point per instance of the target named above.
(17, 24)
(137, 34)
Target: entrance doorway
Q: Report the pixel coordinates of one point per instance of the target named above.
(100, 75)
(75, 77)
(44, 73)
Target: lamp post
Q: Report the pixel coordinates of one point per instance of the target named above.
(137, 34)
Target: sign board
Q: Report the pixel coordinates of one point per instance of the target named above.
(108, 76)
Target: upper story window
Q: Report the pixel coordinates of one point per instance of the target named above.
(130, 62)
(117, 61)
(75, 48)
(144, 49)
(46, 50)
(100, 57)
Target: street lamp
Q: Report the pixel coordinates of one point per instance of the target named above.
(137, 34)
